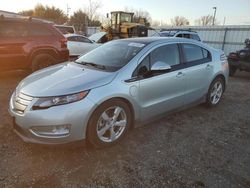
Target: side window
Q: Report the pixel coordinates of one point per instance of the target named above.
(143, 67)
(186, 36)
(13, 29)
(196, 37)
(195, 53)
(39, 30)
(168, 54)
(72, 39)
(206, 54)
(82, 39)
(179, 35)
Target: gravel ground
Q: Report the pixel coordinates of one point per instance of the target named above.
(198, 147)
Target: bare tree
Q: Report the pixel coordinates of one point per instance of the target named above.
(179, 21)
(205, 20)
(92, 10)
(79, 20)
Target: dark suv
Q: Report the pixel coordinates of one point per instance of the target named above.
(30, 44)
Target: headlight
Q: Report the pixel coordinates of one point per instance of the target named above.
(47, 102)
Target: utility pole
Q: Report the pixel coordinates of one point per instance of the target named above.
(215, 9)
(68, 9)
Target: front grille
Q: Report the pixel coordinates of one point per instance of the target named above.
(20, 102)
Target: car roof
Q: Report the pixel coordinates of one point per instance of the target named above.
(178, 31)
(26, 19)
(148, 40)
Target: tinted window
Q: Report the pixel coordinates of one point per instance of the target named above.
(186, 36)
(168, 54)
(192, 52)
(65, 30)
(39, 30)
(195, 53)
(72, 38)
(83, 39)
(179, 35)
(205, 53)
(195, 37)
(143, 67)
(79, 39)
(166, 34)
(13, 29)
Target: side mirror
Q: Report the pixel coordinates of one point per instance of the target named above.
(160, 66)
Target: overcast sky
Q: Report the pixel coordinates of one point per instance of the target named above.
(235, 11)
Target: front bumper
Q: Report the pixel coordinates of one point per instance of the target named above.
(74, 115)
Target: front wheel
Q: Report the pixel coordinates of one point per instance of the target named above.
(109, 123)
(215, 92)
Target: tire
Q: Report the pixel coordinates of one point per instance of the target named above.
(105, 128)
(42, 61)
(215, 92)
(232, 70)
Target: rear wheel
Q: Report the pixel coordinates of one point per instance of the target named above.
(42, 61)
(215, 92)
(109, 123)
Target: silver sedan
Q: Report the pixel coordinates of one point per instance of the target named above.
(118, 85)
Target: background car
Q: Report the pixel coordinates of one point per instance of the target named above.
(105, 92)
(30, 44)
(181, 33)
(79, 45)
(65, 29)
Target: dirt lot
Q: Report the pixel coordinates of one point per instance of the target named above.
(198, 147)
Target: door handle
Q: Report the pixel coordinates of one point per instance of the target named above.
(179, 74)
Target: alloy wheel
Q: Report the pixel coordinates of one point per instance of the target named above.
(111, 124)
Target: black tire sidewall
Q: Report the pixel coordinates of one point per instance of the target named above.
(92, 136)
(208, 99)
(38, 60)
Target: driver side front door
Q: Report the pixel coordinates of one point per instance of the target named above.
(165, 91)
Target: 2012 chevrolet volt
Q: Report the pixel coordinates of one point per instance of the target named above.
(120, 84)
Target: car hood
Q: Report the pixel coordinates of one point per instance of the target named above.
(63, 79)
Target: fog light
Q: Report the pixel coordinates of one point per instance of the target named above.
(51, 131)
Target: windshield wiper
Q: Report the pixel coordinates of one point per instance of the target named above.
(91, 64)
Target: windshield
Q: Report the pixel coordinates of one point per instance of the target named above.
(111, 56)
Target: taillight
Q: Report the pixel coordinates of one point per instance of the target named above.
(63, 43)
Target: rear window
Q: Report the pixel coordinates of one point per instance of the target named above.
(13, 29)
(65, 30)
